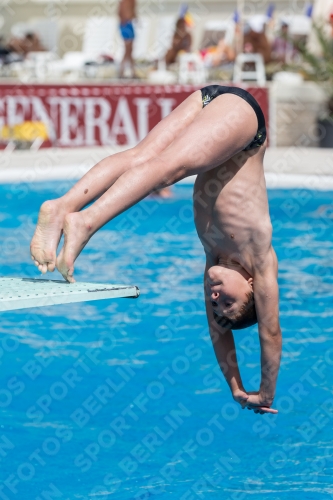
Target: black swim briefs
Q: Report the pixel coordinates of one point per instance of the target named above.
(209, 93)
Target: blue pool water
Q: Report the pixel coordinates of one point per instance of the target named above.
(123, 397)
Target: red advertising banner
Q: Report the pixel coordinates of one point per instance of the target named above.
(91, 115)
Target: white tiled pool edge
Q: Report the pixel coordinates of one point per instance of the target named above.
(290, 181)
(75, 172)
(307, 168)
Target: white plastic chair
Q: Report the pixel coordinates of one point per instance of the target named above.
(72, 62)
(99, 36)
(48, 33)
(216, 30)
(191, 69)
(257, 75)
(141, 46)
(20, 29)
(299, 25)
(38, 63)
(164, 30)
(46, 29)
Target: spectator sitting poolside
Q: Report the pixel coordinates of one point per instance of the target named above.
(182, 41)
(162, 193)
(4, 51)
(255, 39)
(282, 49)
(217, 55)
(29, 43)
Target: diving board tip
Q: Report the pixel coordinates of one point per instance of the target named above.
(22, 293)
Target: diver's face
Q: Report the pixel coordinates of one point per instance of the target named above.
(228, 290)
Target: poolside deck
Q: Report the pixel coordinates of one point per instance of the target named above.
(309, 168)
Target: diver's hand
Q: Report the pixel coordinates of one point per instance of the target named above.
(241, 397)
(259, 404)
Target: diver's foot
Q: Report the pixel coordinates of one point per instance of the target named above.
(77, 234)
(47, 235)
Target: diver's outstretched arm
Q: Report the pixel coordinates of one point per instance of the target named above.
(266, 296)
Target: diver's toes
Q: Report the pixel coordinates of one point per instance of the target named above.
(69, 274)
(51, 266)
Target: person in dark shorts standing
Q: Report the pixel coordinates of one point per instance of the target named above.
(127, 13)
(219, 135)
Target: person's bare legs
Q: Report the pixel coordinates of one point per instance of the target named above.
(128, 58)
(218, 132)
(98, 180)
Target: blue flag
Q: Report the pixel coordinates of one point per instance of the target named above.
(309, 9)
(183, 9)
(270, 10)
(236, 17)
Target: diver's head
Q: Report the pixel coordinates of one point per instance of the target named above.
(230, 291)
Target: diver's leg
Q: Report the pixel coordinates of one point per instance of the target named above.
(220, 131)
(98, 180)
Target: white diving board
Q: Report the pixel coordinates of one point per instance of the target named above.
(21, 293)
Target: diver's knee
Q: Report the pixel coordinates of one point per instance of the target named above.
(140, 154)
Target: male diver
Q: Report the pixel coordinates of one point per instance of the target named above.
(218, 133)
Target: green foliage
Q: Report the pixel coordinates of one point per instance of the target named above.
(319, 69)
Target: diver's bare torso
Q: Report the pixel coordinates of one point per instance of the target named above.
(231, 211)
